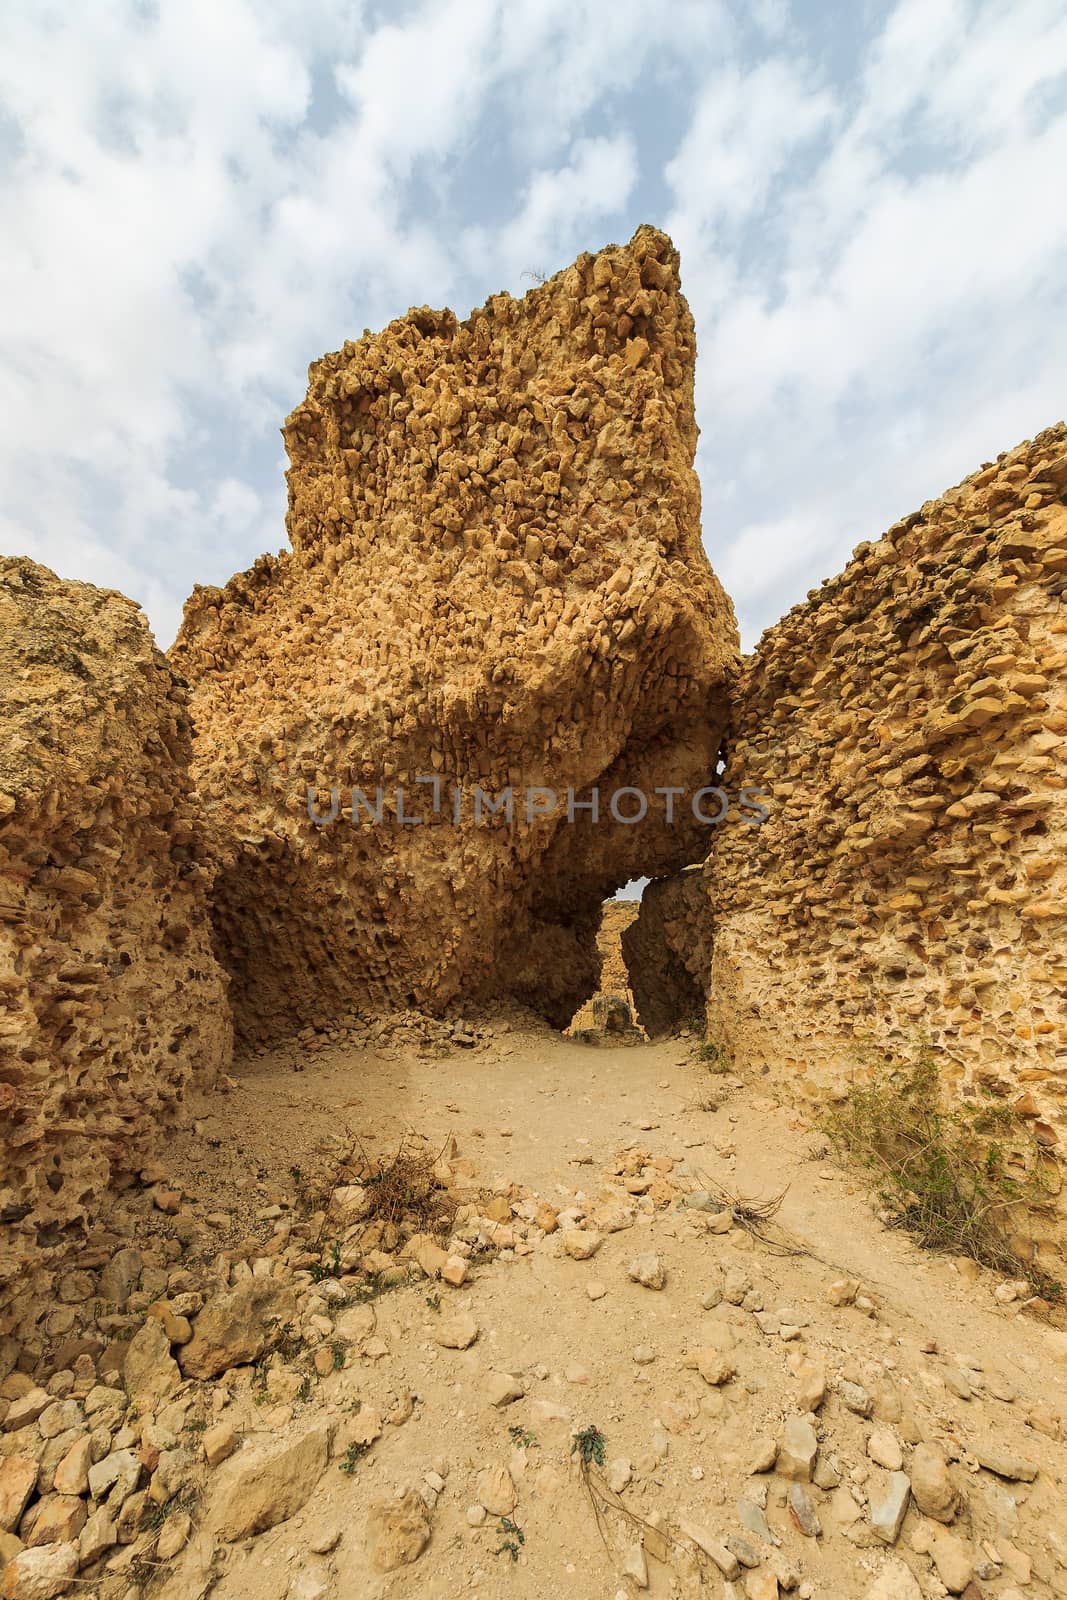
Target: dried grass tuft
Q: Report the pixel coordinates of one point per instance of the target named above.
(756, 1216)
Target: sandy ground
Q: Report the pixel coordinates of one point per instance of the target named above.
(941, 1359)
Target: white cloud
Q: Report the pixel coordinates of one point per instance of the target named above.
(965, 69)
(561, 58)
(767, 552)
(205, 197)
(185, 240)
(925, 264)
(747, 127)
(909, 318)
(418, 90)
(235, 506)
(557, 208)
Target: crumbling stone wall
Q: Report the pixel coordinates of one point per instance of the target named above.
(908, 889)
(613, 983)
(110, 996)
(667, 950)
(910, 723)
(496, 578)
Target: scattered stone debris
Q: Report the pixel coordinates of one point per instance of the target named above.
(255, 1394)
(222, 1377)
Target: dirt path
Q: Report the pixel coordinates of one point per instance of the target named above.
(923, 1356)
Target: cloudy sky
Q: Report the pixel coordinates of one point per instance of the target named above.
(202, 196)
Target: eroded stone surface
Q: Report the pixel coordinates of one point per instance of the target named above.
(267, 1483)
(400, 1530)
(236, 1325)
(667, 950)
(934, 1491)
(110, 997)
(496, 579)
(909, 724)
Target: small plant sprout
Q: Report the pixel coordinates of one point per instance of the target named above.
(715, 1057)
(513, 1539)
(353, 1456)
(330, 1269)
(589, 1446)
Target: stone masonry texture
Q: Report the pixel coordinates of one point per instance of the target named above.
(907, 891)
(496, 584)
(496, 578)
(111, 1000)
(667, 950)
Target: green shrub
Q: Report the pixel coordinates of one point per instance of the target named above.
(513, 1539)
(589, 1446)
(716, 1057)
(353, 1456)
(958, 1177)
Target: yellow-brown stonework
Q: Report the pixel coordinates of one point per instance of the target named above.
(908, 888)
(110, 997)
(497, 583)
(667, 950)
(613, 984)
(496, 578)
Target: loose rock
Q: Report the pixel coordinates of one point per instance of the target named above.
(501, 1389)
(581, 1243)
(495, 1489)
(883, 1446)
(41, 1574)
(18, 1480)
(400, 1530)
(952, 1560)
(931, 1485)
(1013, 1468)
(236, 1326)
(888, 1512)
(265, 1484)
(723, 1558)
(219, 1443)
(895, 1582)
(150, 1372)
(797, 1450)
(648, 1270)
(456, 1333)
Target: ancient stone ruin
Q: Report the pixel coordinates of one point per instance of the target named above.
(358, 795)
(496, 580)
(111, 1000)
(909, 722)
(497, 605)
(611, 1011)
(667, 950)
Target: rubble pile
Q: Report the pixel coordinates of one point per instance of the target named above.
(283, 1414)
